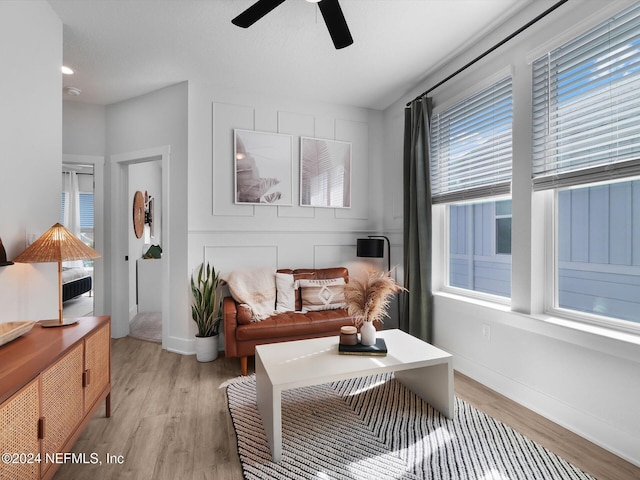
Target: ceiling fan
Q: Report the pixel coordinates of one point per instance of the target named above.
(330, 9)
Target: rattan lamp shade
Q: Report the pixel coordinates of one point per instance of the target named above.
(57, 245)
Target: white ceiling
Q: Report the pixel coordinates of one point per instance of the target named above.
(124, 48)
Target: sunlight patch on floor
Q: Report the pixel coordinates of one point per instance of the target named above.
(369, 387)
(436, 439)
(493, 475)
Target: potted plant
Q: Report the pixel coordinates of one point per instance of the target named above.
(206, 311)
(368, 302)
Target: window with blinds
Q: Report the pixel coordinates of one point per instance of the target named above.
(471, 146)
(86, 210)
(586, 106)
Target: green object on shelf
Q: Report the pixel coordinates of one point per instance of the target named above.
(155, 251)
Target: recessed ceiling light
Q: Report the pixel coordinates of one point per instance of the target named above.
(66, 70)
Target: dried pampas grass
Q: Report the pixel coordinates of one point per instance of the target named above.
(368, 301)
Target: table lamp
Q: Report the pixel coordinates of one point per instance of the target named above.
(57, 245)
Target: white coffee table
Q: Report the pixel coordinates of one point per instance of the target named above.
(423, 368)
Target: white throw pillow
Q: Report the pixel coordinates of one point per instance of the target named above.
(286, 292)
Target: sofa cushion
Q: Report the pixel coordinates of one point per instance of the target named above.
(299, 275)
(285, 292)
(292, 324)
(324, 273)
(327, 294)
(315, 273)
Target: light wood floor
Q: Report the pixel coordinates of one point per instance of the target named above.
(170, 421)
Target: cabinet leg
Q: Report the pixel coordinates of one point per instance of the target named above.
(107, 405)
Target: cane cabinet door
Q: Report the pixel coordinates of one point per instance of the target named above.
(61, 402)
(19, 434)
(97, 364)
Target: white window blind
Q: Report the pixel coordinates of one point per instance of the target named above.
(63, 205)
(86, 210)
(471, 146)
(586, 106)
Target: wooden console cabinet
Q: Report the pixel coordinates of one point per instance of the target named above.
(52, 381)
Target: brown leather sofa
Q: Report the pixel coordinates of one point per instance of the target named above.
(241, 335)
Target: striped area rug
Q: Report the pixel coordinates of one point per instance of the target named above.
(374, 428)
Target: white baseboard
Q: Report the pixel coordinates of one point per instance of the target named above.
(185, 346)
(182, 346)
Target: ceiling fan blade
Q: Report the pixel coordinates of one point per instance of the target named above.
(336, 23)
(255, 12)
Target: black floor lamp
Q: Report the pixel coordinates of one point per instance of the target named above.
(373, 247)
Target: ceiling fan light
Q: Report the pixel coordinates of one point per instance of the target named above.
(67, 70)
(314, 1)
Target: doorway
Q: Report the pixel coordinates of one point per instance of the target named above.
(145, 251)
(82, 205)
(123, 257)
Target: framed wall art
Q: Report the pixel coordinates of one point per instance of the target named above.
(263, 168)
(325, 173)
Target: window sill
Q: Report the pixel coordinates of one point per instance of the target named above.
(480, 297)
(606, 340)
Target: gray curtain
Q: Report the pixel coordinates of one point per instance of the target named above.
(417, 311)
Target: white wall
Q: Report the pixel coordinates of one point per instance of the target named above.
(31, 151)
(584, 379)
(84, 128)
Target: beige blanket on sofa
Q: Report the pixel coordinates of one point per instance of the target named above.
(255, 288)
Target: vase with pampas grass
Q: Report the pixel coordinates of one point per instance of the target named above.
(368, 301)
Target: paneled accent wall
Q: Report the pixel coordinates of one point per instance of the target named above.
(283, 250)
(232, 236)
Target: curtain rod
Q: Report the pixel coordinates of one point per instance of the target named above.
(495, 47)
